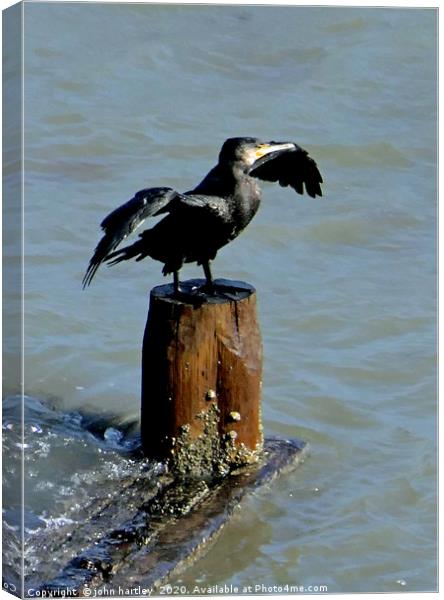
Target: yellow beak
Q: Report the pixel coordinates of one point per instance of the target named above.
(264, 149)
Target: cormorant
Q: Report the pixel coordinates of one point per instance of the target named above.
(202, 220)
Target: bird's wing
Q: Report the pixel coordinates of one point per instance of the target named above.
(187, 200)
(291, 167)
(124, 220)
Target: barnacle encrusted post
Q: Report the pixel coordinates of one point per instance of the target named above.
(201, 378)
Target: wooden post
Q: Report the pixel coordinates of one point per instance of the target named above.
(201, 378)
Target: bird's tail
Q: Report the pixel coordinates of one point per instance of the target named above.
(103, 253)
(126, 253)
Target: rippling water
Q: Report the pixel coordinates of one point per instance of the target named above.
(120, 97)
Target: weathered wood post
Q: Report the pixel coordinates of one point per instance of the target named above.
(201, 378)
(201, 383)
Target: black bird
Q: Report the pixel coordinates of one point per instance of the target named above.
(199, 222)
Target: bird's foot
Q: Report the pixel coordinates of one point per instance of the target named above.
(198, 295)
(230, 289)
(228, 292)
(193, 296)
(209, 289)
(197, 292)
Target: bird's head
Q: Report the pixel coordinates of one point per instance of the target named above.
(247, 152)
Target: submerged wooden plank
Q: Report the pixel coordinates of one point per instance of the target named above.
(171, 530)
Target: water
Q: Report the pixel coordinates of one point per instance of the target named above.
(120, 97)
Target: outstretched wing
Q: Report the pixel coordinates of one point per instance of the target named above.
(124, 220)
(291, 167)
